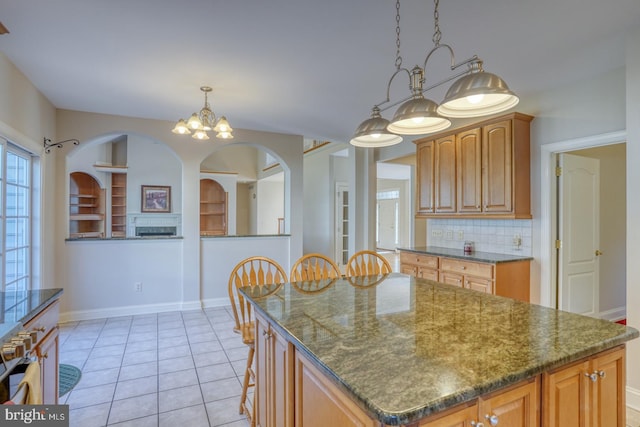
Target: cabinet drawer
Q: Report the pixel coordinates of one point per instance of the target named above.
(428, 273)
(467, 268)
(418, 259)
(46, 321)
(452, 278)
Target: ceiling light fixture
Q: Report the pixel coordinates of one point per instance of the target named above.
(475, 93)
(204, 121)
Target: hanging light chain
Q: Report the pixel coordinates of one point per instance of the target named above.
(437, 35)
(398, 57)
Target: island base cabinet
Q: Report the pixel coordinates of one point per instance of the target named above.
(319, 403)
(517, 406)
(274, 377)
(589, 393)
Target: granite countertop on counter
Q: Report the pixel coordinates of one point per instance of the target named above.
(473, 256)
(17, 308)
(403, 348)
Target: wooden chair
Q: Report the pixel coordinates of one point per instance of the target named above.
(264, 276)
(367, 263)
(314, 267)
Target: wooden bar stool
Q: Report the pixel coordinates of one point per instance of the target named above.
(265, 276)
(367, 263)
(314, 267)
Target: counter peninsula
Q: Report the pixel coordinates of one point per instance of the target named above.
(400, 350)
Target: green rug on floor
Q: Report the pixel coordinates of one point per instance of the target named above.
(68, 378)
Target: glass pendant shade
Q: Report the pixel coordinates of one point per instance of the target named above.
(224, 135)
(223, 126)
(194, 122)
(200, 134)
(477, 94)
(418, 116)
(373, 132)
(181, 128)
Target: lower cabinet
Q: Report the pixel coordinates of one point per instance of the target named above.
(319, 403)
(45, 324)
(516, 406)
(588, 393)
(274, 377)
(419, 265)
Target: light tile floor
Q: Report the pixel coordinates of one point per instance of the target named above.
(633, 418)
(165, 369)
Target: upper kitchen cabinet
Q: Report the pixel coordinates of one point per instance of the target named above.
(478, 171)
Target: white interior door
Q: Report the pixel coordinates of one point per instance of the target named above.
(579, 228)
(387, 224)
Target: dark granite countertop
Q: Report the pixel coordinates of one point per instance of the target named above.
(17, 308)
(403, 348)
(488, 257)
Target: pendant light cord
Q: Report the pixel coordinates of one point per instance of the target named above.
(398, 57)
(437, 35)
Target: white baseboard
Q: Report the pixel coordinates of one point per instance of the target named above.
(633, 398)
(131, 310)
(215, 302)
(614, 314)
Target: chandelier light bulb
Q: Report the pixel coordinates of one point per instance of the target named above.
(181, 128)
(194, 122)
(475, 99)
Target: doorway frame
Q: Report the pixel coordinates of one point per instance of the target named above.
(548, 264)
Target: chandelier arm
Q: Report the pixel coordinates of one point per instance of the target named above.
(389, 89)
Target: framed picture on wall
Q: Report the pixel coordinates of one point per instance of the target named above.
(156, 198)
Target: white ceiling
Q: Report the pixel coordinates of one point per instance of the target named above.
(305, 67)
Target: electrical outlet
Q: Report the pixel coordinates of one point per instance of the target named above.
(137, 286)
(449, 235)
(517, 241)
(460, 235)
(436, 233)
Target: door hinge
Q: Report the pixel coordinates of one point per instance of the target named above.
(558, 244)
(558, 171)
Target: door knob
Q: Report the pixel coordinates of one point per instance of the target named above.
(598, 252)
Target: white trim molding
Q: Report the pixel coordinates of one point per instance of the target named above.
(547, 203)
(633, 398)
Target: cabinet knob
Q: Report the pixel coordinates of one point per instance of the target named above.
(476, 424)
(602, 374)
(593, 377)
(598, 252)
(493, 419)
(8, 352)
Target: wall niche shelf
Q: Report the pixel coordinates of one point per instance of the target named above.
(213, 208)
(86, 207)
(118, 205)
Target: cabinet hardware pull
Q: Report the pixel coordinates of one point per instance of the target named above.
(598, 252)
(475, 424)
(46, 355)
(40, 329)
(493, 419)
(602, 374)
(593, 377)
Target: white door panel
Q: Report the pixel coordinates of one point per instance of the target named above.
(579, 232)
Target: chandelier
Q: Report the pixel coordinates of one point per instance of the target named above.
(475, 93)
(204, 121)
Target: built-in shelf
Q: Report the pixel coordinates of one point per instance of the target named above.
(118, 204)
(213, 208)
(86, 206)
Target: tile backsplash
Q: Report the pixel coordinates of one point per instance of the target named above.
(488, 235)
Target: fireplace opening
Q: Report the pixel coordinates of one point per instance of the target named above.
(155, 231)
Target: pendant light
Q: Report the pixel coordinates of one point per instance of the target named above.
(204, 121)
(373, 132)
(475, 93)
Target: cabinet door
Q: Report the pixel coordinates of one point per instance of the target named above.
(411, 270)
(47, 352)
(497, 167)
(469, 163)
(608, 406)
(428, 273)
(452, 278)
(459, 418)
(425, 157)
(517, 407)
(566, 397)
(320, 403)
(281, 377)
(479, 284)
(445, 175)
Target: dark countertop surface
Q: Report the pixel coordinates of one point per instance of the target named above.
(403, 348)
(488, 257)
(17, 308)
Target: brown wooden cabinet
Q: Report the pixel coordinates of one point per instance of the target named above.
(517, 406)
(587, 393)
(481, 170)
(507, 279)
(274, 377)
(86, 206)
(318, 402)
(46, 349)
(418, 265)
(118, 204)
(213, 208)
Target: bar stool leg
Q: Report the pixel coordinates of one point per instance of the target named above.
(248, 376)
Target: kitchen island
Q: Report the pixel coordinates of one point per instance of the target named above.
(399, 350)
